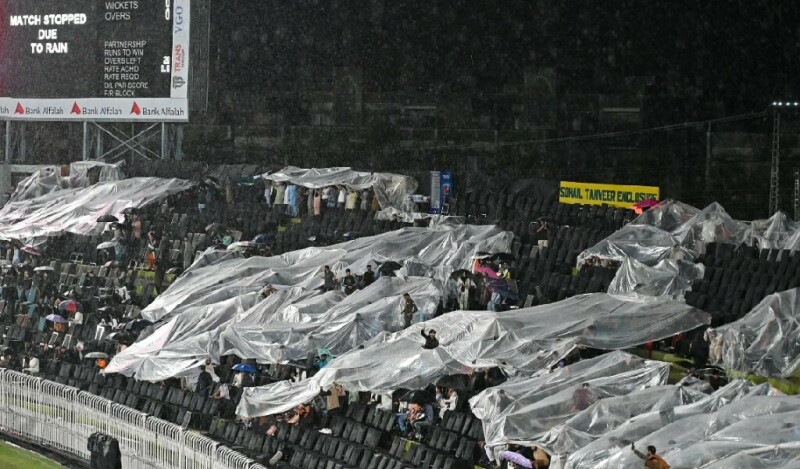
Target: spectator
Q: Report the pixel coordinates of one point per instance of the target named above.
(365, 200)
(152, 250)
(204, 382)
(341, 198)
(349, 282)
(449, 403)
(369, 277)
(33, 365)
(422, 421)
(352, 200)
(582, 398)
(431, 342)
(464, 285)
(404, 418)
(409, 308)
(329, 279)
(317, 203)
(651, 459)
(332, 401)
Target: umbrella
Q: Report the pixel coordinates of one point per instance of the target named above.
(264, 239)
(55, 318)
(420, 396)
(31, 250)
(389, 267)
(96, 355)
(517, 459)
(137, 324)
(245, 367)
(108, 244)
(459, 382)
(241, 245)
(646, 204)
(107, 218)
(503, 257)
(458, 273)
(486, 271)
(216, 228)
(44, 268)
(69, 305)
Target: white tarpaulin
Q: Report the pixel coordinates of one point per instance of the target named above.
(391, 190)
(766, 341)
(215, 307)
(707, 433)
(525, 410)
(524, 340)
(77, 210)
(667, 278)
(48, 179)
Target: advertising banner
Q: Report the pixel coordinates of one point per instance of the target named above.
(446, 190)
(436, 193)
(614, 195)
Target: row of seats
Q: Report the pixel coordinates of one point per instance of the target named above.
(737, 279)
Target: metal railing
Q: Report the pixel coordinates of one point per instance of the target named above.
(61, 418)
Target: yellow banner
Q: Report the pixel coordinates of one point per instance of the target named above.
(614, 195)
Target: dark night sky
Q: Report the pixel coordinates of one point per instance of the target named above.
(740, 54)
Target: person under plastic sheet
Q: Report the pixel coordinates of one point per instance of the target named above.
(582, 398)
(651, 459)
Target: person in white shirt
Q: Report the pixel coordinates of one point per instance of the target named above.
(33, 366)
(449, 403)
(77, 318)
(342, 197)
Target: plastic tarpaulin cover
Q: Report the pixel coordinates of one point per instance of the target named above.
(608, 413)
(523, 411)
(48, 179)
(667, 278)
(299, 318)
(691, 436)
(524, 340)
(766, 341)
(76, 210)
(669, 230)
(391, 190)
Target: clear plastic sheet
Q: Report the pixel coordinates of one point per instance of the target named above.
(766, 341)
(391, 190)
(299, 317)
(693, 436)
(667, 278)
(524, 411)
(609, 413)
(669, 230)
(520, 341)
(48, 179)
(76, 210)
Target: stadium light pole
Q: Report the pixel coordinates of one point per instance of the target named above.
(774, 170)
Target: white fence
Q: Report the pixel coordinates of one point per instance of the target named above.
(61, 418)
